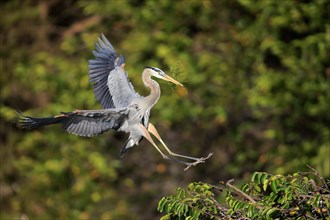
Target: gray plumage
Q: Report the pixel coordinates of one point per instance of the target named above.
(111, 85)
(123, 108)
(86, 123)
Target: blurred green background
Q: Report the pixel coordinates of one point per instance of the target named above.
(257, 75)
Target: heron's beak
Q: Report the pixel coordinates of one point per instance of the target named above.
(168, 78)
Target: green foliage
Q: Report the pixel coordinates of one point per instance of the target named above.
(266, 196)
(192, 203)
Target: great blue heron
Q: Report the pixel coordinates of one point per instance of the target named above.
(124, 109)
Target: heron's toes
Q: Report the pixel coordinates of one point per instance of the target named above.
(208, 156)
(198, 161)
(165, 157)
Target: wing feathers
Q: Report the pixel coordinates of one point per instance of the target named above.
(102, 94)
(111, 86)
(99, 69)
(87, 123)
(100, 55)
(83, 122)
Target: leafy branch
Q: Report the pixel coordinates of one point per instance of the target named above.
(266, 196)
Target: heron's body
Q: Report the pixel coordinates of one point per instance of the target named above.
(139, 112)
(123, 108)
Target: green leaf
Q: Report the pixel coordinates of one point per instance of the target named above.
(238, 205)
(257, 188)
(161, 204)
(166, 217)
(273, 186)
(254, 177)
(230, 212)
(263, 178)
(270, 212)
(246, 187)
(265, 184)
(196, 214)
(191, 186)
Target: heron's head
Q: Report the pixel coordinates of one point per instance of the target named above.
(158, 73)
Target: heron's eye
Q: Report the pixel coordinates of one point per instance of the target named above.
(157, 70)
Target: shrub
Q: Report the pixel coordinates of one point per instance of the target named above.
(266, 196)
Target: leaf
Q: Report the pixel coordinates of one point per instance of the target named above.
(234, 204)
(263, 178)
(178, 209)
(273, 186)
(257, 188)
(191, 186)
(265, 184)
(238, 205)
(207, 186)
(230, 212)
(181, 193)
(254, 177)
(246, 187)
(270, 211)
(186, 209)
(161, 204)
(166, 217)
(196, 214)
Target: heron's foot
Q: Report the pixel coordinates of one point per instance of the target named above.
(199, 160)
(166, 157)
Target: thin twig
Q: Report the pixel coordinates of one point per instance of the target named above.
(320, 177)
(240, 191)
(312, 197)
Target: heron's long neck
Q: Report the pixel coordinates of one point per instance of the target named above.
(154, 95)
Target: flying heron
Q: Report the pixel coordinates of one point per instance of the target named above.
(123, 108)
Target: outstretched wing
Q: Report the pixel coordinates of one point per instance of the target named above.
(121, 89)
(106, 72)
(85, 123)
(91, 123)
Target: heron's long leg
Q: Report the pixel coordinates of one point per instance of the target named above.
(152, 130)
(147, 136)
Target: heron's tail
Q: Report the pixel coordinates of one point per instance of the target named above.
(128, 144)
(32, 122)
